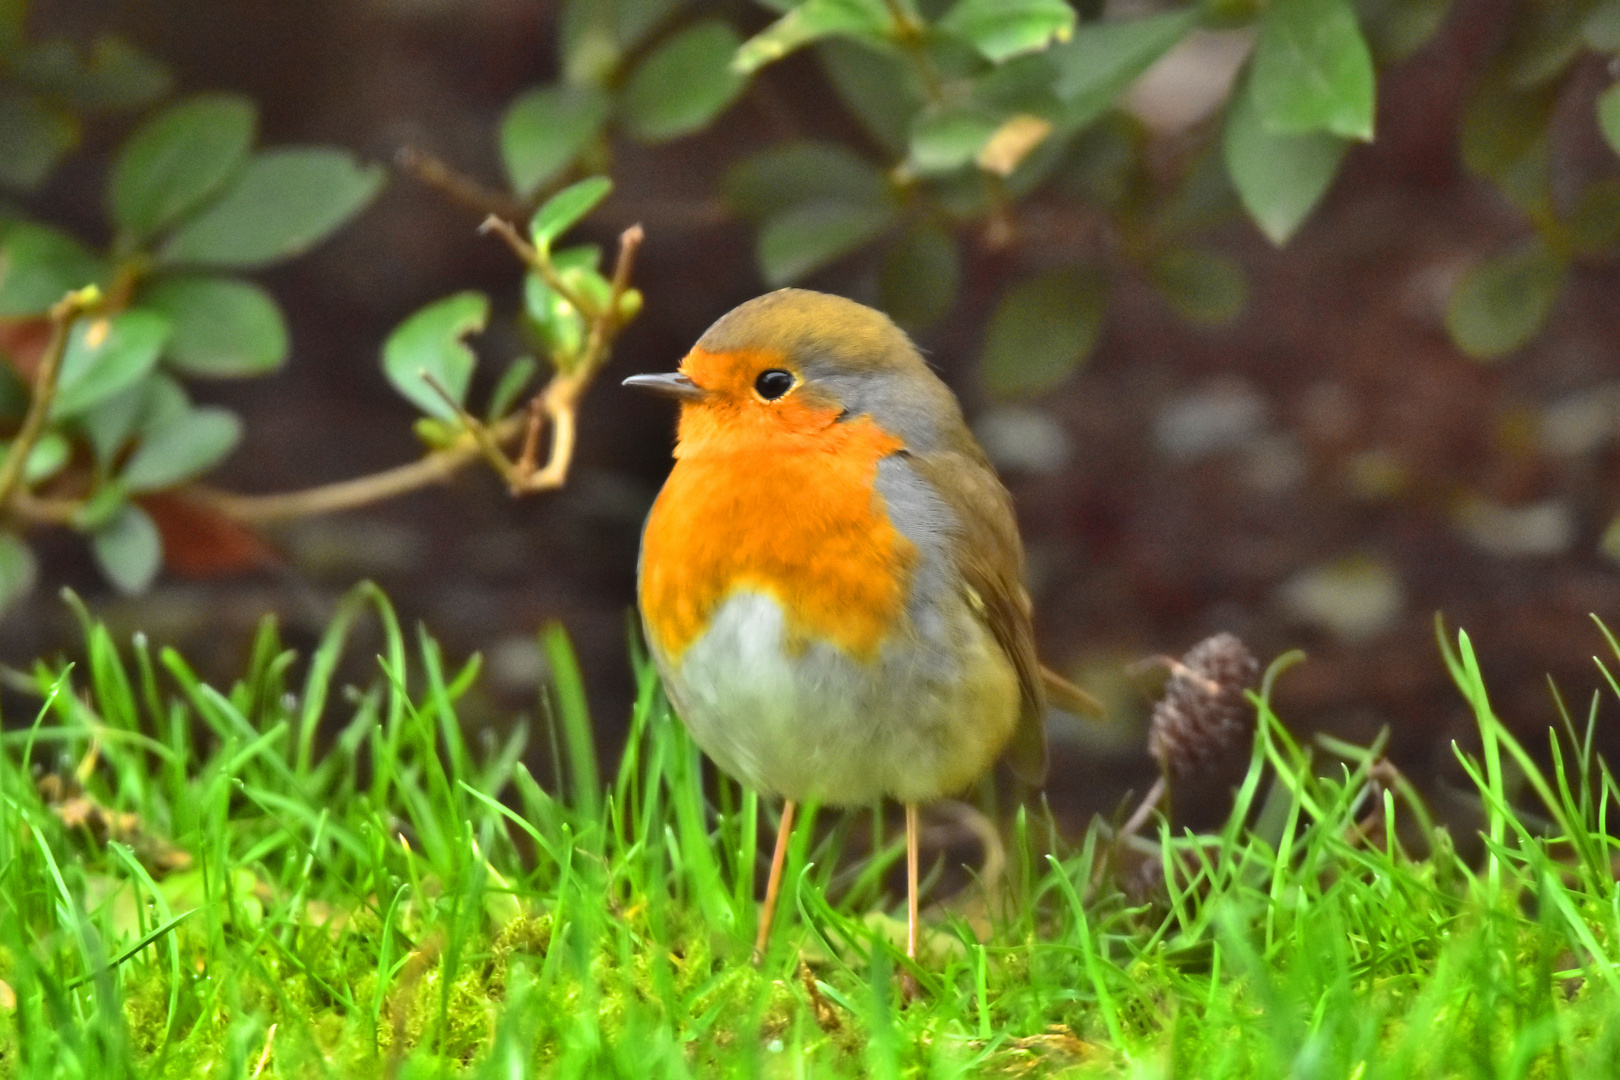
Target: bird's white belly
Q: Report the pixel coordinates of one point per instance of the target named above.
(924, 719)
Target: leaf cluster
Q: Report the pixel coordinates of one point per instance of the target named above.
(192, 204)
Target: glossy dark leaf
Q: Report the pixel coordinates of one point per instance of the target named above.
(282, 203)
(223, 327)
(1043, 329)
(177, 159)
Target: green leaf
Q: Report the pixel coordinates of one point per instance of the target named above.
(188, 446)
(1279, 178)
(1602, 29)
(1504, 138)
(1544, 40)
(596, 34)
(39, 265)
(281, 204)
(545, 129)
(1312, 71)
(129, 549)
(1103, 58)
(1042, 331)
(33, 138)
(1396, 29)
(1608, 112)
(145, 409)
(163, 403)
(684, 84)
(105, 356)
(812, 21)
(1106, 167)
(177, 159)
(920, 276)
(1002, 29)
(946, 140)
(1502, 302)
(787, 175)
(430, 343)
(104, 504)
(18, 569)
(514, 380)
(112, 75)
(883, 95)
(563, 210)
(807, 237)
(45, 458)
(1594, 224)
(1202, 286)
(223, 327)
(554, 324)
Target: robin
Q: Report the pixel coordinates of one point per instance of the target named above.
(831, 577)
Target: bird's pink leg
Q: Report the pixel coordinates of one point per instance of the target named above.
(773, 884)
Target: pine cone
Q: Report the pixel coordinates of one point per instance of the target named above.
(1203, 711)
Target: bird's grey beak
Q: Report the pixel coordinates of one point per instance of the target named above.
(672, 385)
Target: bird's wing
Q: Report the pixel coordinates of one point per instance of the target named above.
(990, 557)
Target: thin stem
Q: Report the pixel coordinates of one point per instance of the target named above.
(434, 468)
(63, 314)
(1150, 802)
(558, 402)
(535, 261)
(459, 187)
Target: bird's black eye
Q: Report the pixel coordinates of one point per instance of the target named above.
(773, 384)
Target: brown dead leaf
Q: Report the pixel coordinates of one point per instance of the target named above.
(826, 1018)
(76, 810)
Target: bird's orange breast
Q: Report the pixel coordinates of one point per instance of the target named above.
(791, 515)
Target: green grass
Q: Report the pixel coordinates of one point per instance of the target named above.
(378, 899)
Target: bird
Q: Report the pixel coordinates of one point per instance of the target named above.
(831, 577)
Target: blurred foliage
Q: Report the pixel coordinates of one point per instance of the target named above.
(974, 110)
(989, 131)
